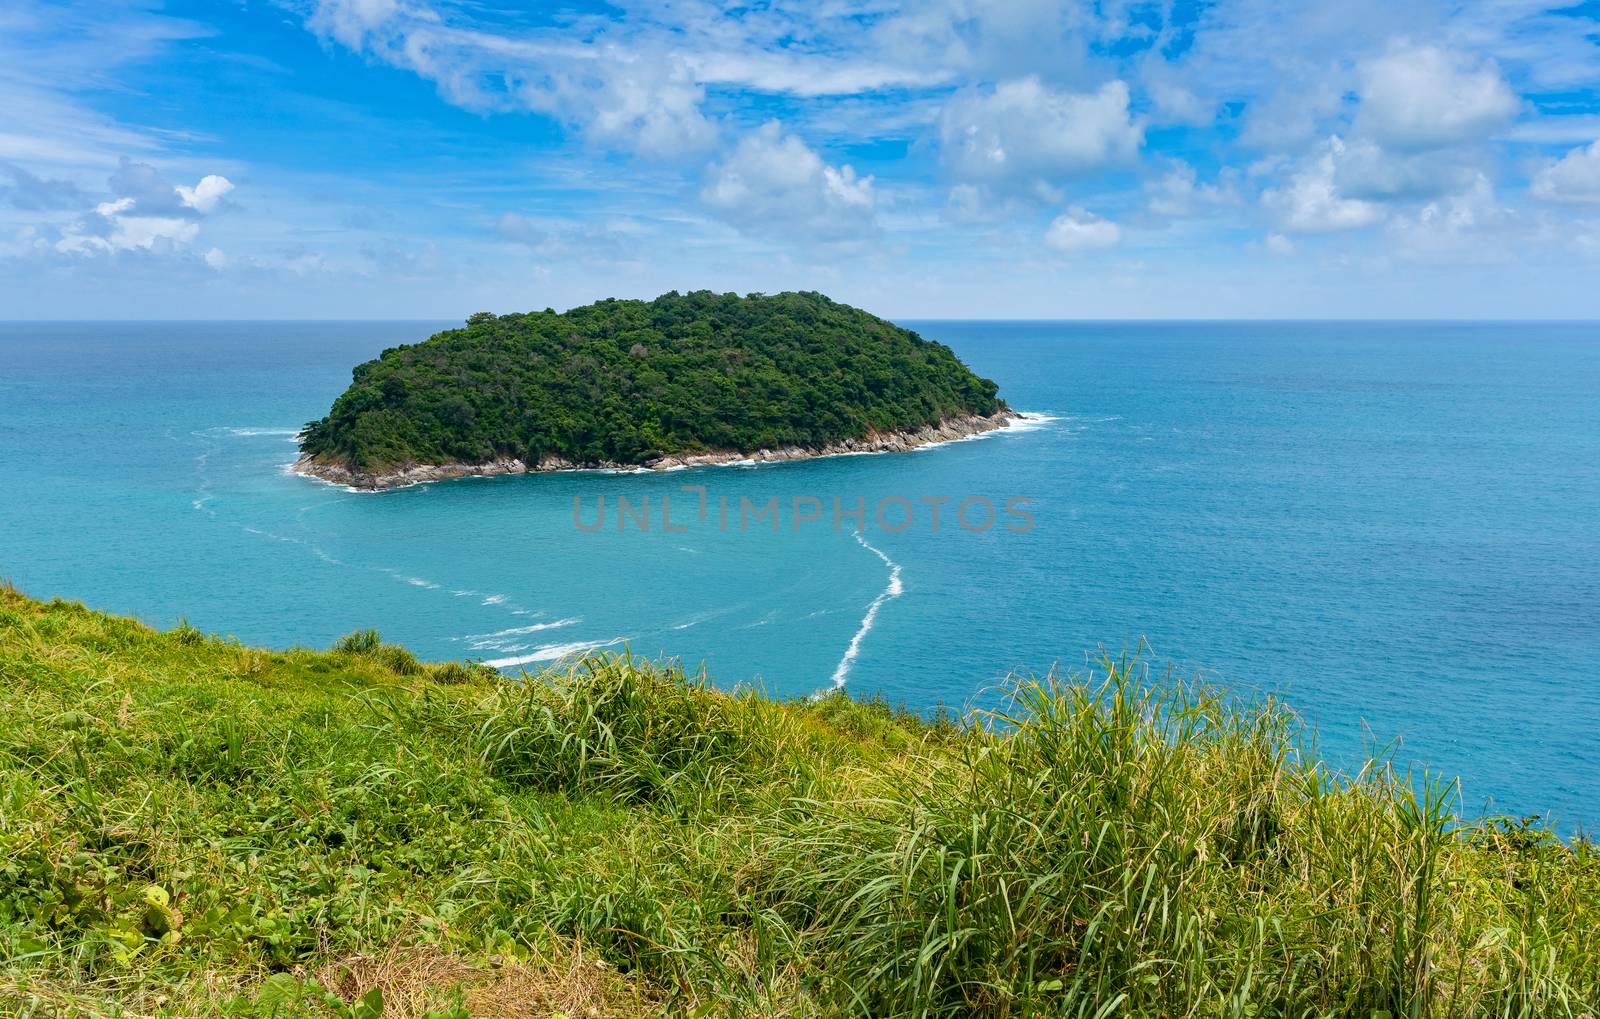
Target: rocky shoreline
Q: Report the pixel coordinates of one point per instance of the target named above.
(885, 442)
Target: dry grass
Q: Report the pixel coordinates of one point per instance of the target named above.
(415, 979)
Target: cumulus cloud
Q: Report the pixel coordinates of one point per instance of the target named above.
(205, 196)
(1024, 136)
(773, 182)
(1363, 169)
(1415, 97)
(649, 105)
(1311, 201)
(1080, 230)
(1466, 227)
(1177, 104)
(1280, 245)
(1575, 177)
(31, 193)
(149, 213)
(1179, 192)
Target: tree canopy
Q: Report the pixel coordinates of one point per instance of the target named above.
(628, 381)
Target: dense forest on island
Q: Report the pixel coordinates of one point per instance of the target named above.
(627, 381)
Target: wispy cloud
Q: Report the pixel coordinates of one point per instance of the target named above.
(445, 152)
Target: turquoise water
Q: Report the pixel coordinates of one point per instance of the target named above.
(1397, 526)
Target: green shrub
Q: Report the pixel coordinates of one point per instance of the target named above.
(361, 642)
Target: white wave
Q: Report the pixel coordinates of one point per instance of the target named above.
(495, 599)
(552, 652)
(1028, 421)
(404, 578)
(517, 631)
(893, 589)
(325, 557)
(288, 469)
(770, 617)
(708, 616)
(1031, 421)
(252, 433)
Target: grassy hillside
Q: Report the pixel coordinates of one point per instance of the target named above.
(628, 381)
(192, 827)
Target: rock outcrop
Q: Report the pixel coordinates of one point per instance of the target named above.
(875, 442)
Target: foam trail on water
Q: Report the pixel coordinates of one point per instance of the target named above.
(891, 590)
(497, 641)
(552, 652)
(251, 433)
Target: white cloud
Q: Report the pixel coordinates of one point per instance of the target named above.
(585, 241)
(33, 193)
(1311, 202)
(1179, 191)
(987, 40)
(149, 213)
(1563, 128)
(1470, 226)
(204, 196)
(643, 99)
(1025, 136)
(1080, 230)
(1177, 104)
(774, 183)
(1363, 169)
(1575, 177)
(352, 21)
(1416, 97)
(656, 112)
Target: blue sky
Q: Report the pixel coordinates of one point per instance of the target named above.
(945, 158)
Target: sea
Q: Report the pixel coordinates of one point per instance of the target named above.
(1393, 527)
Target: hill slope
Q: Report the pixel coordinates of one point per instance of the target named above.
(633, 382)
(191, 827)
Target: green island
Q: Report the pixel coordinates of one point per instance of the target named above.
(682, 380)
(190, 826)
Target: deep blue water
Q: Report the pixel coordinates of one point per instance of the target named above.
(1396, 526)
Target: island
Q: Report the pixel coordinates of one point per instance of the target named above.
(683, 380)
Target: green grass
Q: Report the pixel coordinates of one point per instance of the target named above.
(193, 827)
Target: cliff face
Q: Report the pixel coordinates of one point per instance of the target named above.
(635, 383)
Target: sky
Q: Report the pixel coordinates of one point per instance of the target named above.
(929, 159)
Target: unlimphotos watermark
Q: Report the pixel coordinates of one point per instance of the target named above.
(891, 514)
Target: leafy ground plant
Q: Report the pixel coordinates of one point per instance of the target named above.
(192, 827)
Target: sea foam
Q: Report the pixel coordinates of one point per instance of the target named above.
(893, 589)
(552, 653)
